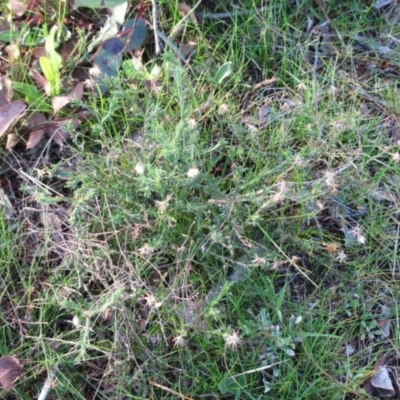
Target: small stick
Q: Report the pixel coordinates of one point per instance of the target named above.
(49, 383)
(225, 15)
(155, 29)
(265, 82)
(182, 396)
(250, 371)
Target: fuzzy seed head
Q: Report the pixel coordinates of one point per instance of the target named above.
(232, 340)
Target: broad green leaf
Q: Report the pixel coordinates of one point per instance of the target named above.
(50, 47)
(139, 32)
(98, 3)
(9, 36)
(32, 96)
(223, 72)
(108, 60)
(52, 75)
(52, 63)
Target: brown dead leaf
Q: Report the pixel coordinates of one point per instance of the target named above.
(12, 141)
(184, 9)
(10, 370)
(41, 81)
(56, 129)
(34, 16)
(69, 49)
(59, 102)
(381, 381)
(394, 134)
(36, 134)
(34, 119)
(6, 92)
(10, 113)
(18, 7)
(188, 48)
(34, 138)
(38, 52)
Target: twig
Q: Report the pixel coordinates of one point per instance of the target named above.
(225, 15)
(49, 382)
(396, 244)
(155, 29)
(182, 396)
(265, 82)
(250, 371)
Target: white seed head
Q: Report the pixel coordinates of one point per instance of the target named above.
(259, 260)
(299, 161)
(223, 109)
(139, 168)
(341, 257)
(193, 172)
(301, 87)
(179, 341)
(329, 179)
(95, 71)
(396, 157)
(232, 340)
(192, 123)
(356, 232)
(146, 251)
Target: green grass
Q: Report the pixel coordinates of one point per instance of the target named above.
(217, 245)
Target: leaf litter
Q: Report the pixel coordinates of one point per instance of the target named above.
(10, 370)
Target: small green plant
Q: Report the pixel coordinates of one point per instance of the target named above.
(51, 63)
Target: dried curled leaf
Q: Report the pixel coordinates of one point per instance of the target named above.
(9, 113)
(184, 9)
(59, 102)
(18, 7)
(6, 92)
(10, 370)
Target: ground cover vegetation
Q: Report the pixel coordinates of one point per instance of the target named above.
(200, 201)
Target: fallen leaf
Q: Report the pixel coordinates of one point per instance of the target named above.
(12, 141)
(10, 370)
(69, 49)
(188, 48)
(59, 102)
(382, 382)
(36, 134)
(38, 52)
(34, 138)
(57, 132)
(18, 7)
(34, 119)
(184, 9)
(6, 92)
(41, 81)
(34, 16)
(10, 113)
(384, 326)
(381, 3)
(394, 134)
